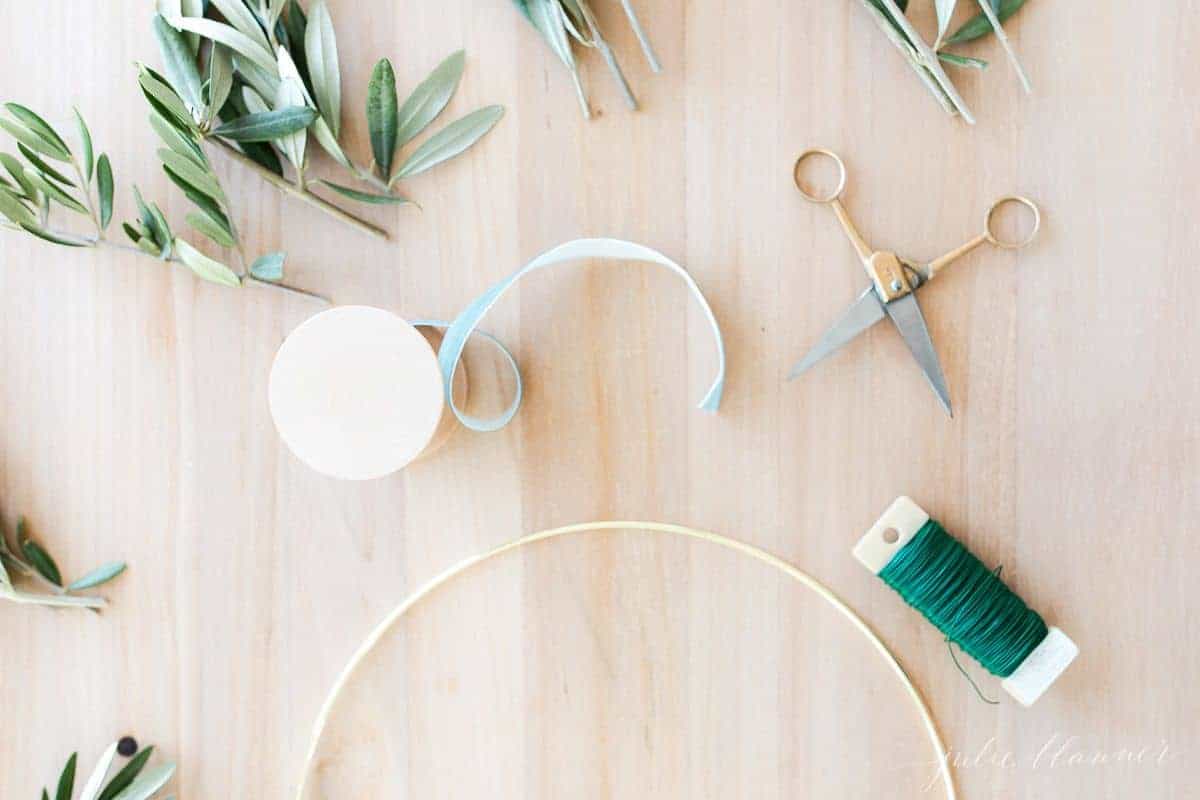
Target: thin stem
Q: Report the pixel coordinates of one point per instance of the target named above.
(86, 185)
(93, 242)
(929, 60)
(1006, 44)
(906, 50)
(643, 39)
(60, 601)
(301, 194)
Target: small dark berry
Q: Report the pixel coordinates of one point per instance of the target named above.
(127, 746)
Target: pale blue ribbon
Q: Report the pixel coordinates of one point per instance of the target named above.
(459, 331)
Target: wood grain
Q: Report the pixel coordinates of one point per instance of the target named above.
(133, 424)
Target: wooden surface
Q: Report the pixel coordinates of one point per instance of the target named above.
(133, 424)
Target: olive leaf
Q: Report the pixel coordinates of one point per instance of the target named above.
(211, 227)
(91, 789)
(104, 189)
(979, 26)
(268, 267)
(321, 53)
(194, 175)
(41, 130)
(98, 576)
(208, 269)
(36, 556)
(126, 776)
(179, 62)
(367, 197)
(235, 40)
(85, 142)
(382, 114)
(236, 13)
(292, 94)
(52, 191)
(66, 781)
(14, 210)
(430, 97)
(450, 141)
(162, 97)
(266, 126)
(220, 79)
(45, 169)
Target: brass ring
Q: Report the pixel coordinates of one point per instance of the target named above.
(841, 185)
(991, 212)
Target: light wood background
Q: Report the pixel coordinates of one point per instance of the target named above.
(133, 424)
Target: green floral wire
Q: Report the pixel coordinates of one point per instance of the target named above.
(967, 602)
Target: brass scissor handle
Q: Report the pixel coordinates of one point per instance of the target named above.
(834, 199)
(931, 269)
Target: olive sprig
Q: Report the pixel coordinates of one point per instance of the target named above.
(29, 559)
(133, 781)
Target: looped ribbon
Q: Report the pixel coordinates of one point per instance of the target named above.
(460, 330)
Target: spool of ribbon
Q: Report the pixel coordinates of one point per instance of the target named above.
(357, 393)
(653, 528)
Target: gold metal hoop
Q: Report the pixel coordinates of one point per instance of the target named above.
(991, 212)
(841, 184)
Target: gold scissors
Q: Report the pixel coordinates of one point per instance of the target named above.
(894, 282)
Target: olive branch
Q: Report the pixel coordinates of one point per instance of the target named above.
(30, 560)
(133, 781)
(926, 60)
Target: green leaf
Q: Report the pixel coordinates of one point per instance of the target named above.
(37, 556)
(232, 38)
(979, 26)
(327, 140)
(267, 125)
(85, 140)
(291, 94)
(66, 781)
(148, 783)
(236, 13)
(175, 139)
(179, 64)
(382, 117)
(264, 82)
(320, 50)
(202, 201)
(210, 228)
(50, 237)
(158, 92)
(91, 787)
(450, 141)
(104, 188)
(126, 776)
(205, 267)
(16, 211)
(220, 79)
(42, 167)
(429, 98)
(17, 170)
(367, 197)
(53, 192)
(198, 177)
(41, 129)
(268, 267)
(98, 576)
(30, 139)
(962, 61)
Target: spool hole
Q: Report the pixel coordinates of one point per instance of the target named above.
(891, 535)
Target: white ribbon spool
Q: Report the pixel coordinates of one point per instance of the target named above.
(356, 393)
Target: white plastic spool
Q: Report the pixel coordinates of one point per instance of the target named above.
(356, 393)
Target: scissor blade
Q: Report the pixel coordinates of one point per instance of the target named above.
(907, 315)
(865, 312)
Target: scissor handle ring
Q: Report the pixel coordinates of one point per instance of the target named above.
(991, 212)
(841, 185)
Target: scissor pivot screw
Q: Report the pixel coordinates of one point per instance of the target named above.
(897, 286)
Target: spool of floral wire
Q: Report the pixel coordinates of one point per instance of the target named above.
(965, 600)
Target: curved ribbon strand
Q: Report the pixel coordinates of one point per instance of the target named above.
(755, 553)
(455, 338)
